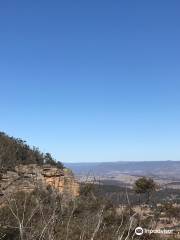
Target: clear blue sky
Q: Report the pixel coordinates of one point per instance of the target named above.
(92, 80)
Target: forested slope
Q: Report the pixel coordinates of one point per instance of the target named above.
(15, 151)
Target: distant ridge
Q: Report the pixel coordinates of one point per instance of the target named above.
(164, 169)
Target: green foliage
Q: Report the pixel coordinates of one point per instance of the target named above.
(144, 185)
(15, 151)
(48, 159)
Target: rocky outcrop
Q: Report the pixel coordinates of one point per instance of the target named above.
(28, 177)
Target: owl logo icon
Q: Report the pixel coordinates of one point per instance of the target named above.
(139, 231)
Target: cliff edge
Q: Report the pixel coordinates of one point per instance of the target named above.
(32, 176)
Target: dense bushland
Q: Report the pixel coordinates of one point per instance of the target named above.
(45, 215)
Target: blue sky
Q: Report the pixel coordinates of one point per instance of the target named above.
(92, 80)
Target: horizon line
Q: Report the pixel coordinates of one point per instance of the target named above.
(123, 161)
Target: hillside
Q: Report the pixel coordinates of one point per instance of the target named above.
(23, 168)
(15, 151)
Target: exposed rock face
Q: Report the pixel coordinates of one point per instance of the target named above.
(28, 177)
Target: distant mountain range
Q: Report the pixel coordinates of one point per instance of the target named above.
(127, 172)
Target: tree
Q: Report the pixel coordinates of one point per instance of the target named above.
(145, 186)
(15, 151)
(48, 159)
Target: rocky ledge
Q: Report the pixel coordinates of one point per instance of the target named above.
(28, 177)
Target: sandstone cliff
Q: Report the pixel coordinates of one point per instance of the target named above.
(29, 177)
